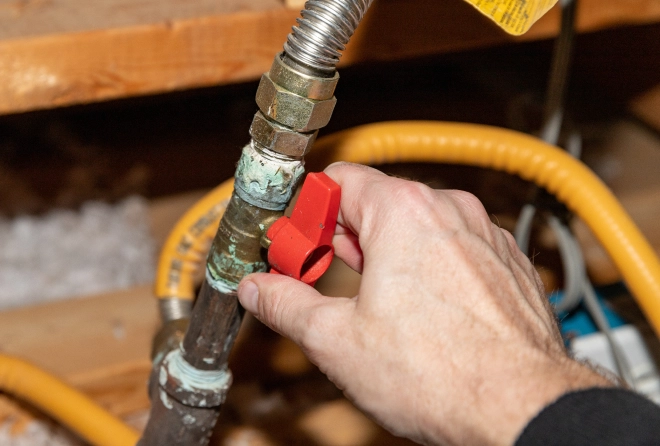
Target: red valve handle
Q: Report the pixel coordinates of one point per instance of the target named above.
(301, 246)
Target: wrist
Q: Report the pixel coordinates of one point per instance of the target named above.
(512, 398)
(552, 380)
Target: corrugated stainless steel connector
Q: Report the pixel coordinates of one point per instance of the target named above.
(323, 31)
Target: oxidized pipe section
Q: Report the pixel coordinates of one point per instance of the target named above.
(236, 250)
(190, 378)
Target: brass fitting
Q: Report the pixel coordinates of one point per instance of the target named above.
(280, 139)
(236, 250)
(312, 87)
(292, 110)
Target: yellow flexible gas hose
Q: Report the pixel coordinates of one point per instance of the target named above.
(477, 145)
(70, 407)
(568, 179)
(185, 249)
(187, 246)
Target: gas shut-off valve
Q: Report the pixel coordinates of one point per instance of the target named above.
(301, 246)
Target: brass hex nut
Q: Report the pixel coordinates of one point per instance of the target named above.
(280, 139)
(312, 87)
(292, 110)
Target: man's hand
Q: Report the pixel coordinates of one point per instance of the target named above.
(450, 339)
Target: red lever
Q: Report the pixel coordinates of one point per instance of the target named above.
(301, 246)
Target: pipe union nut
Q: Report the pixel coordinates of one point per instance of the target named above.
(281, 139)
(307, 86)
(287, 108)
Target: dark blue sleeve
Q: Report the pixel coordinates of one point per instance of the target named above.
(602, 417)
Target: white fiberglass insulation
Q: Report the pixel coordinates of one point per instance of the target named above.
(63, 254)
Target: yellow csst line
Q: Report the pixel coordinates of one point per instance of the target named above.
(64, 403)
(513, 16)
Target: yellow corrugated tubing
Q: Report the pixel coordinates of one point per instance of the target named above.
(185, 250)
(568, 179)
(67, 405)
(187, 246)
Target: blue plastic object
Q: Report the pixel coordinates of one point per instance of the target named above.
(579, 323)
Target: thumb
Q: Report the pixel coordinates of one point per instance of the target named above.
(288, 306)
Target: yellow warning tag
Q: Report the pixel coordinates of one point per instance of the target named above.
(513, 16)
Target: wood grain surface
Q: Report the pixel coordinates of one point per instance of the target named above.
(62, 52)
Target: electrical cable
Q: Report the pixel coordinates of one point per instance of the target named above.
(600, 319)
(573, 264)
(571, 254)
(550, 131)
(553, 113)
(577, 283)
(523, 229)
(573, 289)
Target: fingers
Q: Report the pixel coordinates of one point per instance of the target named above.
(290, 307)
(347, 248)
(358, 194)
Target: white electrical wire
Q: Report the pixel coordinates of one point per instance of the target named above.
(523, 229)
(581, 288)
(573, 263)
(598, 315)
(577, 284)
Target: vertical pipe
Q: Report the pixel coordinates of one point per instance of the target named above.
(213, 327)
(193, 379)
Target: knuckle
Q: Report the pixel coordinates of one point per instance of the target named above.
(473, 212)
(510, 239)
(415, 196)
(470, 203)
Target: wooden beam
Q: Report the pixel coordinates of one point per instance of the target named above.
(77, 52)
(99, 345)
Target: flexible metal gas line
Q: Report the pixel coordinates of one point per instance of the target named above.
(190, 378)
(295, 99)
(323, 32)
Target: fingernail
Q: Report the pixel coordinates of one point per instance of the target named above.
(248, 294)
